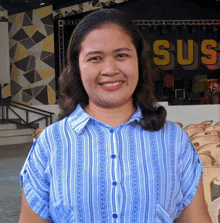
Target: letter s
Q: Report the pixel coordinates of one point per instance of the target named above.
(211, 54)
(164, 55)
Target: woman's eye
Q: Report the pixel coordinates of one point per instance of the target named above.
(94, 58)
(121, 55)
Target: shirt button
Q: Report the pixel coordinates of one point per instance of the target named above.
(113, 156)
(114, 183)
(111, 131)
(114, 215)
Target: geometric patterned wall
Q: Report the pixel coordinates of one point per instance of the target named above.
(84, 7)
(31, 43)
(32, 56)
(3, 14)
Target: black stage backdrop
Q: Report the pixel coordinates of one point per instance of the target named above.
(197, 38)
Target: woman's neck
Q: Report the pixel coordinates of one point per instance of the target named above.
(112, 116)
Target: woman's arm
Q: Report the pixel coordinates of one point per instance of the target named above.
(196, 211)
(27, 215)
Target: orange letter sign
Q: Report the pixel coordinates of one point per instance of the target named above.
(164, 55)
(211, 54)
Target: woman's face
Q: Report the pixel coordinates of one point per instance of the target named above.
(108, 64)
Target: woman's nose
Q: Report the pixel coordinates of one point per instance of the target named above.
(109, 67)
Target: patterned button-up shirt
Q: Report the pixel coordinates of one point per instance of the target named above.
(82, 170)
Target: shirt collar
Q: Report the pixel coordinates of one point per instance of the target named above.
(79, 118)
(136, 116)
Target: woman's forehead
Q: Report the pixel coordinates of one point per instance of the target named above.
(106, 35)
(109, 25)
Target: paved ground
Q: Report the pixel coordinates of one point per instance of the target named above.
(11, 161)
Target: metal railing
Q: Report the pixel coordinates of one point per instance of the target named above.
(10, 105)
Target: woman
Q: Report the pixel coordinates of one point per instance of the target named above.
(113, 157)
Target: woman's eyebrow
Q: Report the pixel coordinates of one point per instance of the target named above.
(122, 49)
(93, 52)
(100, 52)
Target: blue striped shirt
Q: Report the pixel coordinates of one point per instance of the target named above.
(82, 170)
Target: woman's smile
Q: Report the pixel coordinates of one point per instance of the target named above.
(112, 86)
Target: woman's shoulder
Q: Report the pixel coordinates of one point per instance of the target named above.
(48, 133)
(55, 125)
(171, 129)
(170, 125)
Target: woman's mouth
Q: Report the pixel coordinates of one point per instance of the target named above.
(112, 86)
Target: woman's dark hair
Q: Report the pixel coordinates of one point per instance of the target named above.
(71, 88)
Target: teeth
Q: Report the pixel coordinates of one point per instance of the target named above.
(112, 84)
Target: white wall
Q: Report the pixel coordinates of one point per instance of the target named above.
(4, 54)
(186, 114)
(192, 114)
(50, 108)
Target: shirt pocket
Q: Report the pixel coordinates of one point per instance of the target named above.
(161, 215)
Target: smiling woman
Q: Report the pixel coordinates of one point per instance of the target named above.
(71, 83)
(113, 157)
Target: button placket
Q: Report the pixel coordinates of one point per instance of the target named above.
(114, 163)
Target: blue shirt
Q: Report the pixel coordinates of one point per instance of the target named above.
(82, 170)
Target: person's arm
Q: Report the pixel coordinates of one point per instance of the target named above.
(27, 215)
(196, 211)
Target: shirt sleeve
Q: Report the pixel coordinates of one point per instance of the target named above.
(35, 182)
(191, 169)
